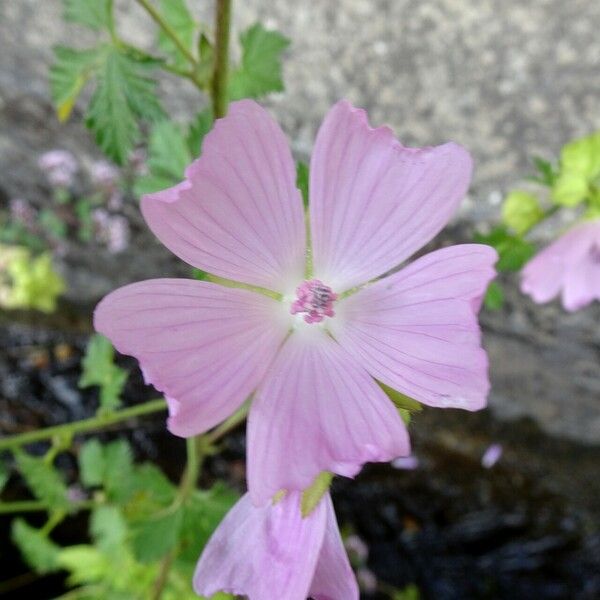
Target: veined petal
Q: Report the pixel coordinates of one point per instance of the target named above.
(205, 346)
(571, 264)
(334, 578)
(317, 410)
(417, 330)
(263, 553)
(374, 202)
(238, 214)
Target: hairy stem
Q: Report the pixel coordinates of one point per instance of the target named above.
(85, 425)
(169, 31)
(221, 64)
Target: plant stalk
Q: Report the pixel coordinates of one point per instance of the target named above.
(83, 426)
(162, 23)
(221, 64)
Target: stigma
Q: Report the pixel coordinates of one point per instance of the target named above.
(314, 300)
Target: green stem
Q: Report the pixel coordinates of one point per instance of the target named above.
(226, 426)
(39, 506)
(221, 64)
(83, 426)
(160, 21)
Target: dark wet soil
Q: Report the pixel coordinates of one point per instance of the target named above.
(526, 528)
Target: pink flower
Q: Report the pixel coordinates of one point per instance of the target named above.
(273, 552)
(570, 266)
(311, 350)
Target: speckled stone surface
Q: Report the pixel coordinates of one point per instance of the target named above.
(508, 79)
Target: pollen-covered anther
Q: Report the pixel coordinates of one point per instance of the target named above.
(315, 300)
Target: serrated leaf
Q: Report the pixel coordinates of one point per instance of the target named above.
(118, 470)
(312, 495)
(108, 528)
(494, 296)
(99, 369)
(91, 463)
(156, 535)
(302, 176)
(43, 480)
(178, 16)
(168, 156)
(202, 513)
(94, 14)
(69, 73)
(260, 71)
(199, 127)
(151, 491)
(402, 401)
(124, 95)
(40, 553)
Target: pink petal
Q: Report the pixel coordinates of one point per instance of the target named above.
(334, 578)
(264, 553)
(570, 264)
(317, 410)
(374, 202)
(238, 214)
(417, 331)
(205, 346)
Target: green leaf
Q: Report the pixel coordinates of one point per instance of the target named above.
(260, 70)
(168, 156)
(494, 296)
(124, 95)
(312, 495)
(69, 73)
(153, 537)
(513, 250)
(521, 211)
(582, 156)
(570, 188)
(43, 480)
(302, 176)
(151, 491)
(108, 528)
(579, 167)
(85, 564)
(99, 369)
(177, 15)
(202, 513)
(118, 470)
(546, 172)
(95, 14)
(34, 283)
(199, 127)
(91, 463)
(40, 553)
(402, 401)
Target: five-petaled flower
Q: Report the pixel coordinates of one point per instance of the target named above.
(314, 348)
(570, 266)
(273, 552)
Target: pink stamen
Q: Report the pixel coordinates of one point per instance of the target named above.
(315, 300)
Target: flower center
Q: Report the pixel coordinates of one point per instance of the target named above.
(314, 300)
